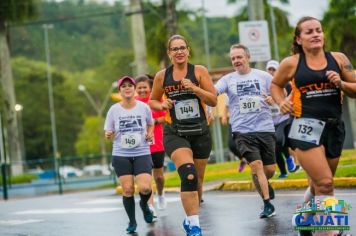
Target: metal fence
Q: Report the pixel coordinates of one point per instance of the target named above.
(46, 176)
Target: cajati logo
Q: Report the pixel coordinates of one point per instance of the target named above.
(320, 213)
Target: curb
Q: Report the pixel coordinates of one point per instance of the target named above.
(245, 185)
(344, 182)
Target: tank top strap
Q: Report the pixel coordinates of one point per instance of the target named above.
(191, 73)
(332, 63)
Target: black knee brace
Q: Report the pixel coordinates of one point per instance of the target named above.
(188, 177)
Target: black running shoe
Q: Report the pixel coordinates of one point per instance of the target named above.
(270, 191)
(147, 213)
(268, 211)
(131, 228)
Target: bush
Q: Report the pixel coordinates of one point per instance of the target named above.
(21, 179)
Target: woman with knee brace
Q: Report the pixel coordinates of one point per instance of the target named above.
(130, 124)
(187, 139)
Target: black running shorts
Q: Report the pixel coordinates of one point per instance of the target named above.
(257, 146)
(200, 144)
(132, 165)
(158, 159)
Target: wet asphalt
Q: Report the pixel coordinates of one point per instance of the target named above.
(98, 213)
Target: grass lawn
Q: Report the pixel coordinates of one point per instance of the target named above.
(228, 171)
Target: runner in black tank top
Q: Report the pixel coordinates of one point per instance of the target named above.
(191, 109)
(312, 89)
(316, 132)
(186, 137)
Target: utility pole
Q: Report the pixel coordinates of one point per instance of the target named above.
(274, 31)
(3, 163)
(255, 12)
(217, 138)
(138, 37)
(9, 101)
(46, 27)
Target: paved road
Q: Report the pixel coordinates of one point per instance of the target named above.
(101, 212)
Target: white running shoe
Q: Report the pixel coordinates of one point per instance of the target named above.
(162, 203)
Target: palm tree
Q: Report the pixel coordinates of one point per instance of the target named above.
(10, 12)
(339, 24)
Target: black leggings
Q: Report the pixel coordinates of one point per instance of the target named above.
(281, 153)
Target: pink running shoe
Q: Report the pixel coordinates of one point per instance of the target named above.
(242, 165)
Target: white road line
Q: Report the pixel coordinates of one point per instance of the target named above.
(119, 201)
(19, 222)
(67, 211)
(100, 201)
(279, 195)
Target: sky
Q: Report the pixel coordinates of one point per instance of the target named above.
(295, 8)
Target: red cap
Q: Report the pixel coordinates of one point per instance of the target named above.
(120, 81)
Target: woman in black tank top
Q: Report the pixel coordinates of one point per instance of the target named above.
(188, 89)
(318, 77)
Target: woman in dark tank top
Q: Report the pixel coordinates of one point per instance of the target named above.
(316, 129)
(186, 137)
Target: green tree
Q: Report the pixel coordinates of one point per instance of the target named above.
(84, 33)
(11, 11)
(31, 87)
(88, 142)
(339, 25)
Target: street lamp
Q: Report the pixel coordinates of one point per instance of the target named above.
(18, 109)
(99, 111)
(46, 27)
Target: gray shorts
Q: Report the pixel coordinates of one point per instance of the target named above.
(132, 165)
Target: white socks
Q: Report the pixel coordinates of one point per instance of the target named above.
(308, 195)
(193, 220)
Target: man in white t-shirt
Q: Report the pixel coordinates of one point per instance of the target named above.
(251, 120)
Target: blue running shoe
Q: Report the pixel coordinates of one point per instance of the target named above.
(282, 176)
(290, 164)
(186, 226)
(131, 229)
(147, 213)
(195, 231)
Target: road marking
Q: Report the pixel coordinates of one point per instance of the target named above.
(100, 201)
(19, 222)
(67, 211)
(118, 201)
(279, 195)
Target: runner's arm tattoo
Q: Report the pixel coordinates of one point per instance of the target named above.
(348, 68)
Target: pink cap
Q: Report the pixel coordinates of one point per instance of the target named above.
(120, 81)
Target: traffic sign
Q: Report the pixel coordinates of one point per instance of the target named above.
(254, 35)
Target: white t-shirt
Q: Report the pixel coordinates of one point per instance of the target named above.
(129, 126)
(248, 110)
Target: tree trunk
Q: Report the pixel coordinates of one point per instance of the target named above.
(172, 25)
(9, 101)
(138, 37)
